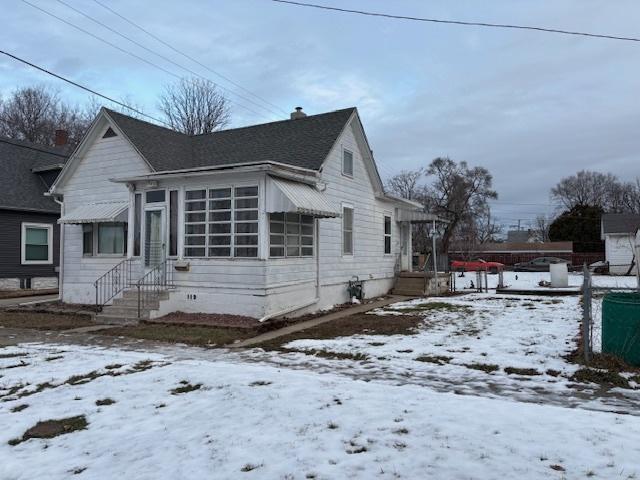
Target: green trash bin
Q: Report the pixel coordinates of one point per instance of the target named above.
(621, 326)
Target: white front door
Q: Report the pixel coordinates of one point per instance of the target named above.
(155, 244)
(405, 246)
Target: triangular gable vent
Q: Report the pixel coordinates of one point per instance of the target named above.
(109, 133)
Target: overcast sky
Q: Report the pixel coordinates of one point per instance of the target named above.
(530, 107)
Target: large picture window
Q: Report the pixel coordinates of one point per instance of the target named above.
(221, 222)
(111, 238)
(37, 244)
(290, 235)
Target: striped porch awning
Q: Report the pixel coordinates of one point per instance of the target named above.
(295, 197)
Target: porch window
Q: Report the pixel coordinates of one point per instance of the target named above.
(37, 244)
(347, 230)
(137, 222)
(221, 222)
(173, 223)
(387, 235)
(111, 238)
(290, 235)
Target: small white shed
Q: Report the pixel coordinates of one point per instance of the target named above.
(618, 230)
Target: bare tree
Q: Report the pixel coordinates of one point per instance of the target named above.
(458, 193)
(587, 188)
(406, 184)
(541, 228)
(35, 113)
(194, 106)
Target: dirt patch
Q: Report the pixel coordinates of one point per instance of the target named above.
(358, 357)
(44, 321)
(358, 324)
(207, 320)
(185, 387)
(485, 367)
(188, 334)
(430, 306)
(53, 428)
(437, 359)
(601, 377)
(522, 371)
(105, 401)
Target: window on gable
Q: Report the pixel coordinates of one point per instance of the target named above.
(109, 133)
(37, 243)
(347, 163)
(387, 234)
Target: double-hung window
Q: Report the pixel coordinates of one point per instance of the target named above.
(347, 230)
(37, 244)
(387, 235)
(104, 239)
(347, 163)
(290, 235)
(221, 222)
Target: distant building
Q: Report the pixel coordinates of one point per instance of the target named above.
(520, 236)
(618, 231)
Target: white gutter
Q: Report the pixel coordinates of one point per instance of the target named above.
(61, 254)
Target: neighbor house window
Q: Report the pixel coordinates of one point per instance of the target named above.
(290, 235)
(137, 224)
(221, 222)
(173, 223)
(37, 244)
(87, 239)
(387, 234)
(347, 231)
(347, 163)
(111, 238)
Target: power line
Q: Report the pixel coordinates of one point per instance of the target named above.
(187, 56)
(120, 49)
(459, 22)
(165, 58)
(87, 89)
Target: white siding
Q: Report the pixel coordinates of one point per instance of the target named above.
(105, 159)
(619, 252)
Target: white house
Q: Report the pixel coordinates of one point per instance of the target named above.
(265, 220)
(618, 230)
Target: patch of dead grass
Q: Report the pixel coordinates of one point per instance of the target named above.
(485, 367)
(529, 372)
(605, 378)
(53, 428)
(437, 359)
(44, 321)
(185, 387)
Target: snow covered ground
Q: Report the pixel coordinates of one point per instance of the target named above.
(259, 421)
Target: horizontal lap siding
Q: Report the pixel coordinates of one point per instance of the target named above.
(369, 260)
(619, 252)
(90, 182)
(10, 244)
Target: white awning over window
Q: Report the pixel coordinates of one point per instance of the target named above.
(415, 216)
(97, 213)
(294, 197)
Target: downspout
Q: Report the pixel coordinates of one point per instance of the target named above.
(61, 254)
(310, 302)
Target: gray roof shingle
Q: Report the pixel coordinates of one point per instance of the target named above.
(20, 188)
(620, 223)
(304, 142)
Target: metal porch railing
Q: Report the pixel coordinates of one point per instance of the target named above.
(113, 282)
(161, 278)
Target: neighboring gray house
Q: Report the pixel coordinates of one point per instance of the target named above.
(29, 233)
(263, 221)
(618, 230)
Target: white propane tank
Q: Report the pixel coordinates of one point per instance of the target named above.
(559, 275)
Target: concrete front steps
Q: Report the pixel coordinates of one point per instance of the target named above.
(124, 309)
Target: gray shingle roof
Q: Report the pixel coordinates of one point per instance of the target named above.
(620, 223)
(304, 142)
(20, 188)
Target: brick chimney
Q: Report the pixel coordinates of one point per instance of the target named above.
(62, 138)
(298, 114)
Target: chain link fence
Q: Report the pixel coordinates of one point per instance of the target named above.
(592, 296)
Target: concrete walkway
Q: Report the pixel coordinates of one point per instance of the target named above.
(12, 302)
(319, 320)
